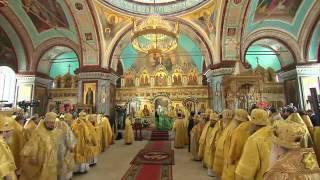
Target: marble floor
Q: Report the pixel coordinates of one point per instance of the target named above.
(113, 164)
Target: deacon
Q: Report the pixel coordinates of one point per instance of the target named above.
(228, 125)
(41, 151)
(289, 160)
(254, 160)
(7, 164)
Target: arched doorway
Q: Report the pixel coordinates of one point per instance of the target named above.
(161, 103)
(7, 86)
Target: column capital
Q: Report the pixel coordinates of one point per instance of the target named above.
(98, 76)
(219, 72)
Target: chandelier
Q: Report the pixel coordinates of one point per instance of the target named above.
(155, 35)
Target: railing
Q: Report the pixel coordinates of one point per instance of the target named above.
(148, 8)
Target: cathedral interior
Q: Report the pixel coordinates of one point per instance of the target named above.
(120, 57)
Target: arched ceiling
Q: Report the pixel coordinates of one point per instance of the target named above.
(163, 7)
(223, 28)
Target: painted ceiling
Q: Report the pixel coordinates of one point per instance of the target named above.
(224, 25)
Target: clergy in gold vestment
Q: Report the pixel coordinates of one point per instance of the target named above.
(254, 160)
(288, 160)
(41, 151)
(81, 132)
(29, 127)
(237, 140)
(316, 140)
(67, 144)
(195, 136)
(128, 131)
(94, 132)
(16, 143)
(180, 131)
(307, 140)
(205, 118)
(107, 131)
(7, 165)
(212, 136)
(228, 124)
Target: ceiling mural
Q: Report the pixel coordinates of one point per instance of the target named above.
(45, 14)
(163, 7)
(7, 54)
(287, 15)
(284, 10)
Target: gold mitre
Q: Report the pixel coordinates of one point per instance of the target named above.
(68, 117)
(51, 117)
(259, 117)
(241, 115)
(227, 114)
(214, 116)
(5, 124)
(288, 134)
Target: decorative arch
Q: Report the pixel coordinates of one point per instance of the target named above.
(278, 35)
(313, 44)
(47, 45)
(22, 53)
(113, 46)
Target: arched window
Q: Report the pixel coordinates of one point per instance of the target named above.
(7, 84)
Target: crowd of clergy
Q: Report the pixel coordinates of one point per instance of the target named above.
(255, 145)
(51, 147)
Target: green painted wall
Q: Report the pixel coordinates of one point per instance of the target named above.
(314, 44)
(265, 60)
(62, 67)
(129, 54)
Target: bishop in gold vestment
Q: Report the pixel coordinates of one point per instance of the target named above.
(7, 164)
(289, 160)
(81, 151)
(41, 151)
(236, 141)
(229, 124)
(254, 161)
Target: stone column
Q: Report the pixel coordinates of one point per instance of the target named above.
(297, 76)
(32, 87)
(215, 78)
(105, 94)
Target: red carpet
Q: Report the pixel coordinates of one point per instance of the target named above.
(157, 135)
(148, 172)
(155, 152)
(154, 161)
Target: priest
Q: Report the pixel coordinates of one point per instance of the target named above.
(195, 136)
(94, 132)
(128, 131)
(7, 164)
(213, 134)
(81, 151)
(67, 144)
(237, 139)
(202, 140)
(254, 161)
(41, 151)
(29, 127)
(229, 124)
(180, 131)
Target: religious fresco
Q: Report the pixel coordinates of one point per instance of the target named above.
(277, 9)
(89, 93)
(45, 14)
(7, 54)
